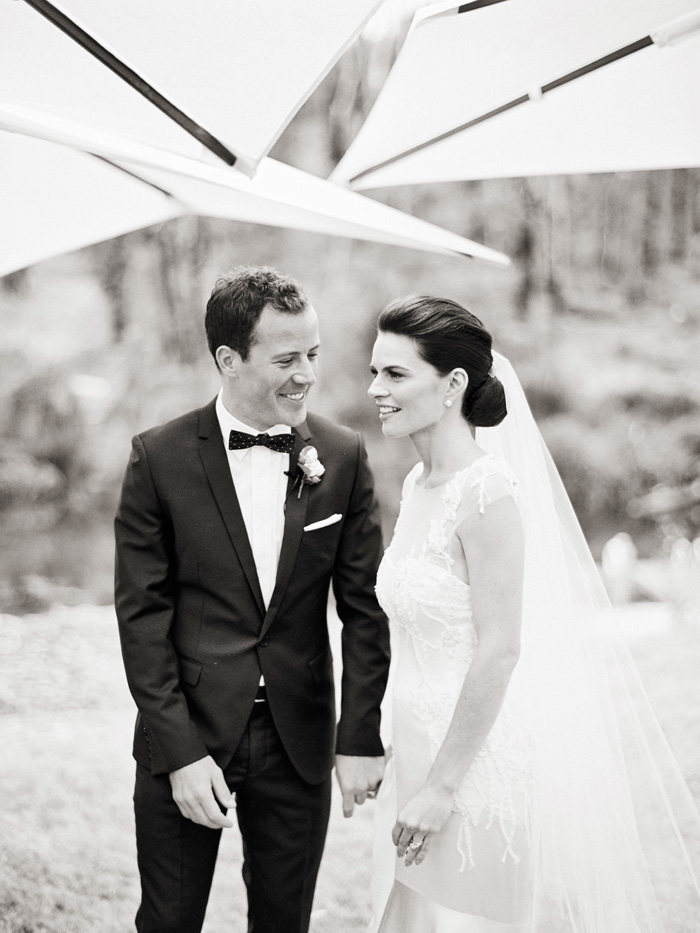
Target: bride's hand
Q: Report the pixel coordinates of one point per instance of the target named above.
(424, 815)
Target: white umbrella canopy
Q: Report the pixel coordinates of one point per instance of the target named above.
(234, 74)
(460, 64)
(162, 184)
(42, 216)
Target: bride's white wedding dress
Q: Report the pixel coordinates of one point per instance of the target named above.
(574, 816)
(477, 875)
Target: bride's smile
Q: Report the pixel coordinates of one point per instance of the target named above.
(408, 392)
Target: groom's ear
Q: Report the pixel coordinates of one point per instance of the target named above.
(228, 361)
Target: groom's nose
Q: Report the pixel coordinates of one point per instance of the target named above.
(305, 375)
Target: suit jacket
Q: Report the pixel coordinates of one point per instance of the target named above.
(194, 631)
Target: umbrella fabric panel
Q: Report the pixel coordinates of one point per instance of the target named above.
(282, 196)
(455, 67)
(278, 194)
(42, 68)
(647, 120)
(240, 70)
(55, 200)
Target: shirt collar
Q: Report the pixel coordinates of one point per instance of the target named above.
(229, 422)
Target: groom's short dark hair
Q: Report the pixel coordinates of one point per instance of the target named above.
(237, 301)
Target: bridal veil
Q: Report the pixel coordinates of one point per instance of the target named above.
(616, 832)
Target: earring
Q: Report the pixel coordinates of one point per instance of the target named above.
(448, 403)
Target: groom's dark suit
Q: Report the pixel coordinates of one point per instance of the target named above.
(194, 630)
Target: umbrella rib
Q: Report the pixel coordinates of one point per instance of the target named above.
(132, 78)
(133, 175)
(476, 5)
(516, 102)
(600, 63)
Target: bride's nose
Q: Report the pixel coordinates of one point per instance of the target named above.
(375, 390)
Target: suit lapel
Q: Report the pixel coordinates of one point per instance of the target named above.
(218, 473)
(294, 520)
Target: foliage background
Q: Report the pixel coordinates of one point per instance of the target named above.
(600, 313)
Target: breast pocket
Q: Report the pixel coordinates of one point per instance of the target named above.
(321, 543)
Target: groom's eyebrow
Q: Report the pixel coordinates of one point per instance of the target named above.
(280, 354)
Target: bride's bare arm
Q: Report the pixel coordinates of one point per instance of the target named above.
(493, 548)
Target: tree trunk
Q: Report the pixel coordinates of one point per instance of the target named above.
(651, 253)
(682, 197)
(179, 247)
(112, 272)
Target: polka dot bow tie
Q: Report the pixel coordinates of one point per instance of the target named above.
(282, 443)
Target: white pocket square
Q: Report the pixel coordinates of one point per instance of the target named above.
(331, 520)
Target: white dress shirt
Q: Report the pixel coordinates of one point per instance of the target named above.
(258, 476)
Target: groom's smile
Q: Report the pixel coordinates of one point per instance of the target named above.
(271, 386)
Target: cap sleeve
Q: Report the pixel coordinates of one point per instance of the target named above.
(485, 482)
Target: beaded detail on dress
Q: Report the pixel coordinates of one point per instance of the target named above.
(433, 644)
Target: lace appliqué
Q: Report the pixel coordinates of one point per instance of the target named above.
(488, 466)
(451, 499)
(430, 611)
(498, 788)
(437, 536)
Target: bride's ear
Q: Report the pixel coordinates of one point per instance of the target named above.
(458, 382)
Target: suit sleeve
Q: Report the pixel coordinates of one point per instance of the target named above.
(365, 637)
(145, 578)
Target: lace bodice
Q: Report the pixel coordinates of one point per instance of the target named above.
(423, 580)
(423, 586)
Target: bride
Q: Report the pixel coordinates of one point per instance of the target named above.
(530, 788)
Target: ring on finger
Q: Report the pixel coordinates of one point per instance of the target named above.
(415, 843)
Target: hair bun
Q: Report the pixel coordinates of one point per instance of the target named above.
(486, 406)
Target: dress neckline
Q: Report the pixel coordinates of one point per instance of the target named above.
(463, 471)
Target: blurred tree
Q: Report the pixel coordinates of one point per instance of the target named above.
(683, 194)
(179, 250)
(652, 224)
(540, 290)
(112, 266)
(45, 422)
(162, 266)
(15, 282)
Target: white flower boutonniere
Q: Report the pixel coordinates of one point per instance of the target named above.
(311, 468)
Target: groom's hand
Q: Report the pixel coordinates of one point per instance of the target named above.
(358, 777)
(196, 789)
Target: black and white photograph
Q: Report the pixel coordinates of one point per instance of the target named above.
(350, 466)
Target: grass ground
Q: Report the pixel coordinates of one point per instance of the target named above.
(67, 858)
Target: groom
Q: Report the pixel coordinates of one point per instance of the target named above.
(226, 548)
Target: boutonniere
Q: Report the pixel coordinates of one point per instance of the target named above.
(309, 469)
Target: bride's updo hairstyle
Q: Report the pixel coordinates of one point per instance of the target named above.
(448, 336)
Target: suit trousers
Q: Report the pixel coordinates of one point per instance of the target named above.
(283, 822)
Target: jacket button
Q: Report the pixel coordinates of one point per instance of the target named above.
(264, 641)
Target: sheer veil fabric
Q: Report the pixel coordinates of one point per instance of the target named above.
(615, 831)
